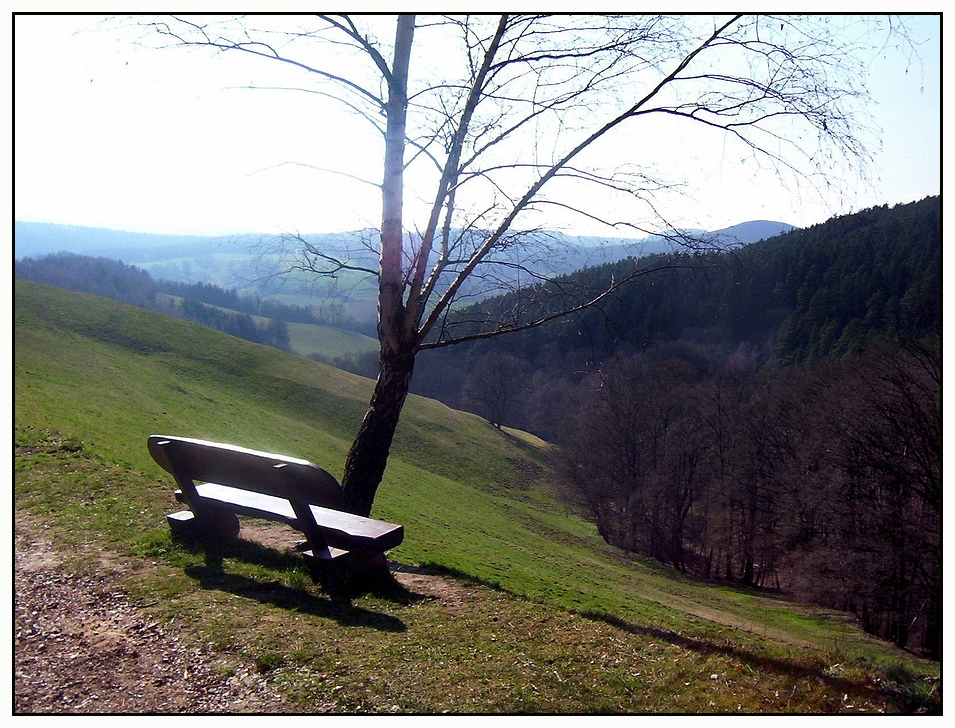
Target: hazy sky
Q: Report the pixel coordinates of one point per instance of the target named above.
(109, 135)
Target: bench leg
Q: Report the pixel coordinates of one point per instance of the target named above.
(326, 565)
(212, 526)
(347, 571)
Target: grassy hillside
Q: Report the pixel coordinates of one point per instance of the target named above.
(94, 378)
(308, 339)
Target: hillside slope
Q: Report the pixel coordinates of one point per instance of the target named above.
(833, 288)
(474, 501)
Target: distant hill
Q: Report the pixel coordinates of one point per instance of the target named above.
(584, 252)
(247, 263)
(753, 231)
(32, 239)
(252, 264)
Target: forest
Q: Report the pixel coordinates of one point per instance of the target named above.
(826, 291)
(768, 415)
(822, 481)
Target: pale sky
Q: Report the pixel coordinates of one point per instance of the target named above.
(108, 135)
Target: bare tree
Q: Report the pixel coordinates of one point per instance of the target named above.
(889, 427)
(494, 386)
(501, 117)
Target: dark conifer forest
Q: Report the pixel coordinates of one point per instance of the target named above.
(768, 415)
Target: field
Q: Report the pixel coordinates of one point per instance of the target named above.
(327, 342)
(508, 601)
(308, 339)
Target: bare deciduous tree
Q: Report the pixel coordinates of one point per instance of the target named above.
(494, 387)
(500, 118)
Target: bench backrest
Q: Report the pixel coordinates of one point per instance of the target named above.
(296, 480)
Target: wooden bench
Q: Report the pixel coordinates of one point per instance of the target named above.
(220, 482)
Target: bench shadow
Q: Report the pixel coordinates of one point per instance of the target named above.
(212, 574)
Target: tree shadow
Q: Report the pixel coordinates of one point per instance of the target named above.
(331, 605)
(763, 662)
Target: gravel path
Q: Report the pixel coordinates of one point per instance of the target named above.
(81, 647)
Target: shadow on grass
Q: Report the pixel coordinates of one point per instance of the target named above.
(431, 567)
(335, 606)
(904, 700)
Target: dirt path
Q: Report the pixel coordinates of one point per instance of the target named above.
(81, 647)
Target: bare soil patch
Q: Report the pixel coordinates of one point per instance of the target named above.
(449, 592)
(80, 646)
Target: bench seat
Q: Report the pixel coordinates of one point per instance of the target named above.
(341, 530)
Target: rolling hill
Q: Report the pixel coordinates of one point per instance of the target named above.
(93, 378)
(33, 239)
(251, 264)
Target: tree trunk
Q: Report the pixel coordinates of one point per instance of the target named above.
(397, 334)
(365, 465)
(932, 641)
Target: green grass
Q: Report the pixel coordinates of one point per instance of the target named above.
(308, 339)
(555, 620)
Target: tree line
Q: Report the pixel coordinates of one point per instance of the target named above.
(823, 481)
(324, 313)
(828, 289)
(224, 310)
